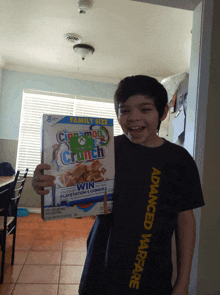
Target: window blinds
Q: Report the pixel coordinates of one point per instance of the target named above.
(35, 104)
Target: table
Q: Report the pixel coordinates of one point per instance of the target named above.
(4, 180)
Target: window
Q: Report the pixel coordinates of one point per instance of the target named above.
(35, 104)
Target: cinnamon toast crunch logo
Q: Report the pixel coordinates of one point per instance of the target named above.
(76, 147)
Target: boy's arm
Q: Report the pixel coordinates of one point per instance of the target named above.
(185, 233)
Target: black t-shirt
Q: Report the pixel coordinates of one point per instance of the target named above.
(129, 251)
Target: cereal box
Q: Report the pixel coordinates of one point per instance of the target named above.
(80, 151)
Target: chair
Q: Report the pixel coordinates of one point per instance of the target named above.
(8, 224)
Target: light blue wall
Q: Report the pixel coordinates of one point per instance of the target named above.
(13, 83)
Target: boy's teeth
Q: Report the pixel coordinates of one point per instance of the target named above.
(135, 128)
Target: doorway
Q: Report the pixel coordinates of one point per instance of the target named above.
(197, 95)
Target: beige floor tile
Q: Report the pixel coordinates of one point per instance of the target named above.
(68, 289)
(35, 289)
(78, 244)
(52, 225)
(39, 274)
(24, 242)
(45, 244)
(30, 216)
(50, 235)
(9, 238)
(71, 235)
(40, 243)
(12, 273)
(8, 254)
(27, 225)
(44, 257)
(33, 218)
(20, 257)
(73, 258)
(23, 231)
(83, 234)
(83, 224)
(70, 274)
(7, 266)
(6, 289)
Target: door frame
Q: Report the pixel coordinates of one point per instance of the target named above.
(198, 90)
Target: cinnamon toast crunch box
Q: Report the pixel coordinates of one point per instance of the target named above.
(80, 151)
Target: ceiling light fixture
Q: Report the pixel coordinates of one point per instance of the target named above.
(83, 50)
(84, 5)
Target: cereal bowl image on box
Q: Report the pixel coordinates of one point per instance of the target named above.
(80, 151)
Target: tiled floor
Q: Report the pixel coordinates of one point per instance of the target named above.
(49, 256)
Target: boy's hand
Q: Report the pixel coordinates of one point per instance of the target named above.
(41, 181)
(179, 292)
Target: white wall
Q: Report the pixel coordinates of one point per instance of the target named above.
(209, 257)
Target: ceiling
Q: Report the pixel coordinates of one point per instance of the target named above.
(182, 4)
(129, 37)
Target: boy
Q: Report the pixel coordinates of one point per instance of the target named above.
(156, 187)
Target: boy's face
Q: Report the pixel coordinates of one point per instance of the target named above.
(139, 119)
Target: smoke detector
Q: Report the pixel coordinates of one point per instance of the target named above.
(84, 5)
(72, 38)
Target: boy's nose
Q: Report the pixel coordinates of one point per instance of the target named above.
(134, 115)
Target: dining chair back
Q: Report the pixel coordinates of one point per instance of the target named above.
(17, 189)
(8, 224)
(14, 209)
(5, 199)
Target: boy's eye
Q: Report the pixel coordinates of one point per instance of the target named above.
(124, 111)
(145, 109)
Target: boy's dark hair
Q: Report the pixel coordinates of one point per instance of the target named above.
(143, 85)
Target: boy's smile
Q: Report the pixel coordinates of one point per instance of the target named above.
(139, 119)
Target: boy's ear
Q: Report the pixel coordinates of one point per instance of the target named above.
(165, 113)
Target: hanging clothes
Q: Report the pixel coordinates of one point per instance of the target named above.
(173, 127)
